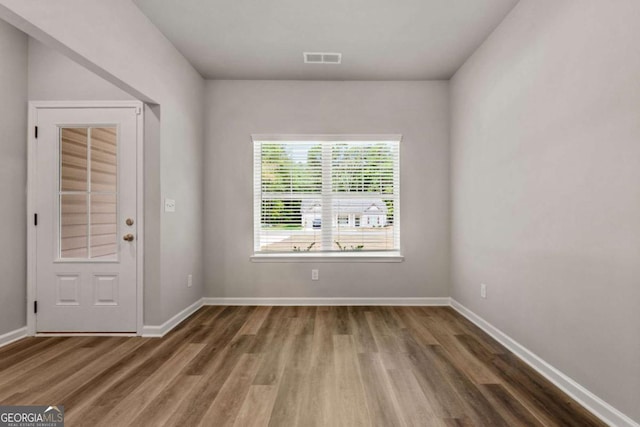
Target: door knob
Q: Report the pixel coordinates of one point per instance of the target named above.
(128, 237)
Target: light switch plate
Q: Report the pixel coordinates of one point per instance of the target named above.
(169, 205)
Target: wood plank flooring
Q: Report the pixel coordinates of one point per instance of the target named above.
(290, 366)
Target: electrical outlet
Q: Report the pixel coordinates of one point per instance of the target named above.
(189, 280)
(483, 290)
(314, 274)
(169, 205)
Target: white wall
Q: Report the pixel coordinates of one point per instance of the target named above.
(417, 110)
(117, 42)
(13, 177)
(546, 188)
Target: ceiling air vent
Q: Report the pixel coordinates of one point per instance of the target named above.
(322, 58)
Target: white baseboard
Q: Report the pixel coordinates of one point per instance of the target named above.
(445, 301)
(15, 335)
(87, 334)
(590, 401)
(158, 331)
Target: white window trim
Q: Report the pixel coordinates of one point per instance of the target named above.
(329, 257)
(333, 257)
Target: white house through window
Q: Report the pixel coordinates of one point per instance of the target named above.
(326, 194)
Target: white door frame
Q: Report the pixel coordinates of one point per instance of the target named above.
(31, 200)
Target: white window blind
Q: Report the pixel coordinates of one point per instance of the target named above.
(326, 196)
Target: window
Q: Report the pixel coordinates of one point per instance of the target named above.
(88, 192)
(326, 196)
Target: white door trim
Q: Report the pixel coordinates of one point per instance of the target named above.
(31, 183)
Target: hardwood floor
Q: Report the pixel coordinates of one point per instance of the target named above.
(288, 366)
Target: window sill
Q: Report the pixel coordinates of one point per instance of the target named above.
(329, 257)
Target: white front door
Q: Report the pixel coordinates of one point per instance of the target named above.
(85, 200)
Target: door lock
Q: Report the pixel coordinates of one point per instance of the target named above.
(129, 222)
(128, 237)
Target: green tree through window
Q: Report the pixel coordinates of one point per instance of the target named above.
(363, 189)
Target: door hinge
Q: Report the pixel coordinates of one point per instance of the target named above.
(35, 219)
(36, 132)
(35, 307)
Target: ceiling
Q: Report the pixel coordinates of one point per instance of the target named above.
(378, 39)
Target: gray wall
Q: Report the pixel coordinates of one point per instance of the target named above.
(417, 110)
(546, 188)
(13, 177)
(53, 76)
(118, 43)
